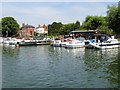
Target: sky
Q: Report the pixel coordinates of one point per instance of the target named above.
(35, 13)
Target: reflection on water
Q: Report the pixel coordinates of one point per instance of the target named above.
(105, 63)
(113, 69)
(46, 66)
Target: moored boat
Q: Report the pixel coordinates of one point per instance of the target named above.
(1, 40)
(65, 42)
(104, 42)
(33, 42)
(75, 44)
(56, 42)
(13, 41)
(6, 40)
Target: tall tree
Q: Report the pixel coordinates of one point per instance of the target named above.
(62, 29)
(0, 29)
(67, 28)
(77, 25)
(54, 28)
(113, 16)
(9, 26)
(93, 22)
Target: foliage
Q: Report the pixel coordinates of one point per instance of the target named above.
(9, 26)
(0, 28)
(0, 25)
(113, 17)
(93, 22)
(62, 29)
(66, 29)
(105, 29)
(54, 28)
(77, 25)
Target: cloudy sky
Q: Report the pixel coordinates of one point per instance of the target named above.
(36, 13)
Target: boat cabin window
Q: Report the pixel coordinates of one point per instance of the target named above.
(104, 38)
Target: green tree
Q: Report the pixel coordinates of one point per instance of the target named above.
(9, 26)
(0, 29)
(93, 22)
(77, 25)
(113, 16)
(54, 28)
(67, 28)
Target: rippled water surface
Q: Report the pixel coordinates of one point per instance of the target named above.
(46, 66)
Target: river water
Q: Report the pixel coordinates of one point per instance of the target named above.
(55, 67)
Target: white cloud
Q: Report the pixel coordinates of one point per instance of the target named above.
(35, 14)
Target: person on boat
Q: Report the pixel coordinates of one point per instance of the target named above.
(92, 39)
(17, 45)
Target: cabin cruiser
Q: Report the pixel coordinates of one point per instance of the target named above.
(103, 42)
(11, 41)
(56, 42)
(65, 42)
(75, 43)
(1, 40)
(6, 40)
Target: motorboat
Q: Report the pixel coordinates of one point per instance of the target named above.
(65, 42)
(56, 42)
(104, 42)
(1, 40)
(11, 41)
(75, 44)
(6, 40)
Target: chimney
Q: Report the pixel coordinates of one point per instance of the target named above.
(23, 24)
(39, 26)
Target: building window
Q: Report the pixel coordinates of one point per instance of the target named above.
(30, 33)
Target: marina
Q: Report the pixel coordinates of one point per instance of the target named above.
(65, 45)
(103, 42)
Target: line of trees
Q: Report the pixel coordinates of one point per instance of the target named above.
(62, 29)
(108, 24)
(113, 18)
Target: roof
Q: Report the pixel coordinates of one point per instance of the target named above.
(27, 26)
(82, 31)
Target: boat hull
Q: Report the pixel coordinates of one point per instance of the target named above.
(74, 45)
(102, 46)
(34, 43)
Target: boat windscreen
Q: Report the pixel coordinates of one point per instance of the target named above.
(104, 37)
(81, 39)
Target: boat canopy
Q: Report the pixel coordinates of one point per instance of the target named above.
(104, 37)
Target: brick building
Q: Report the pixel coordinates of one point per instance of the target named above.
(26, 31)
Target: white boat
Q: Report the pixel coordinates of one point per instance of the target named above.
(6, 40)
(104, 43)
(1, 40)
(75, 44)
(11, 41)
(56, 42)
(65, 42)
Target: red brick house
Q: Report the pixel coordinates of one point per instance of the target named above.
(26, 31)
